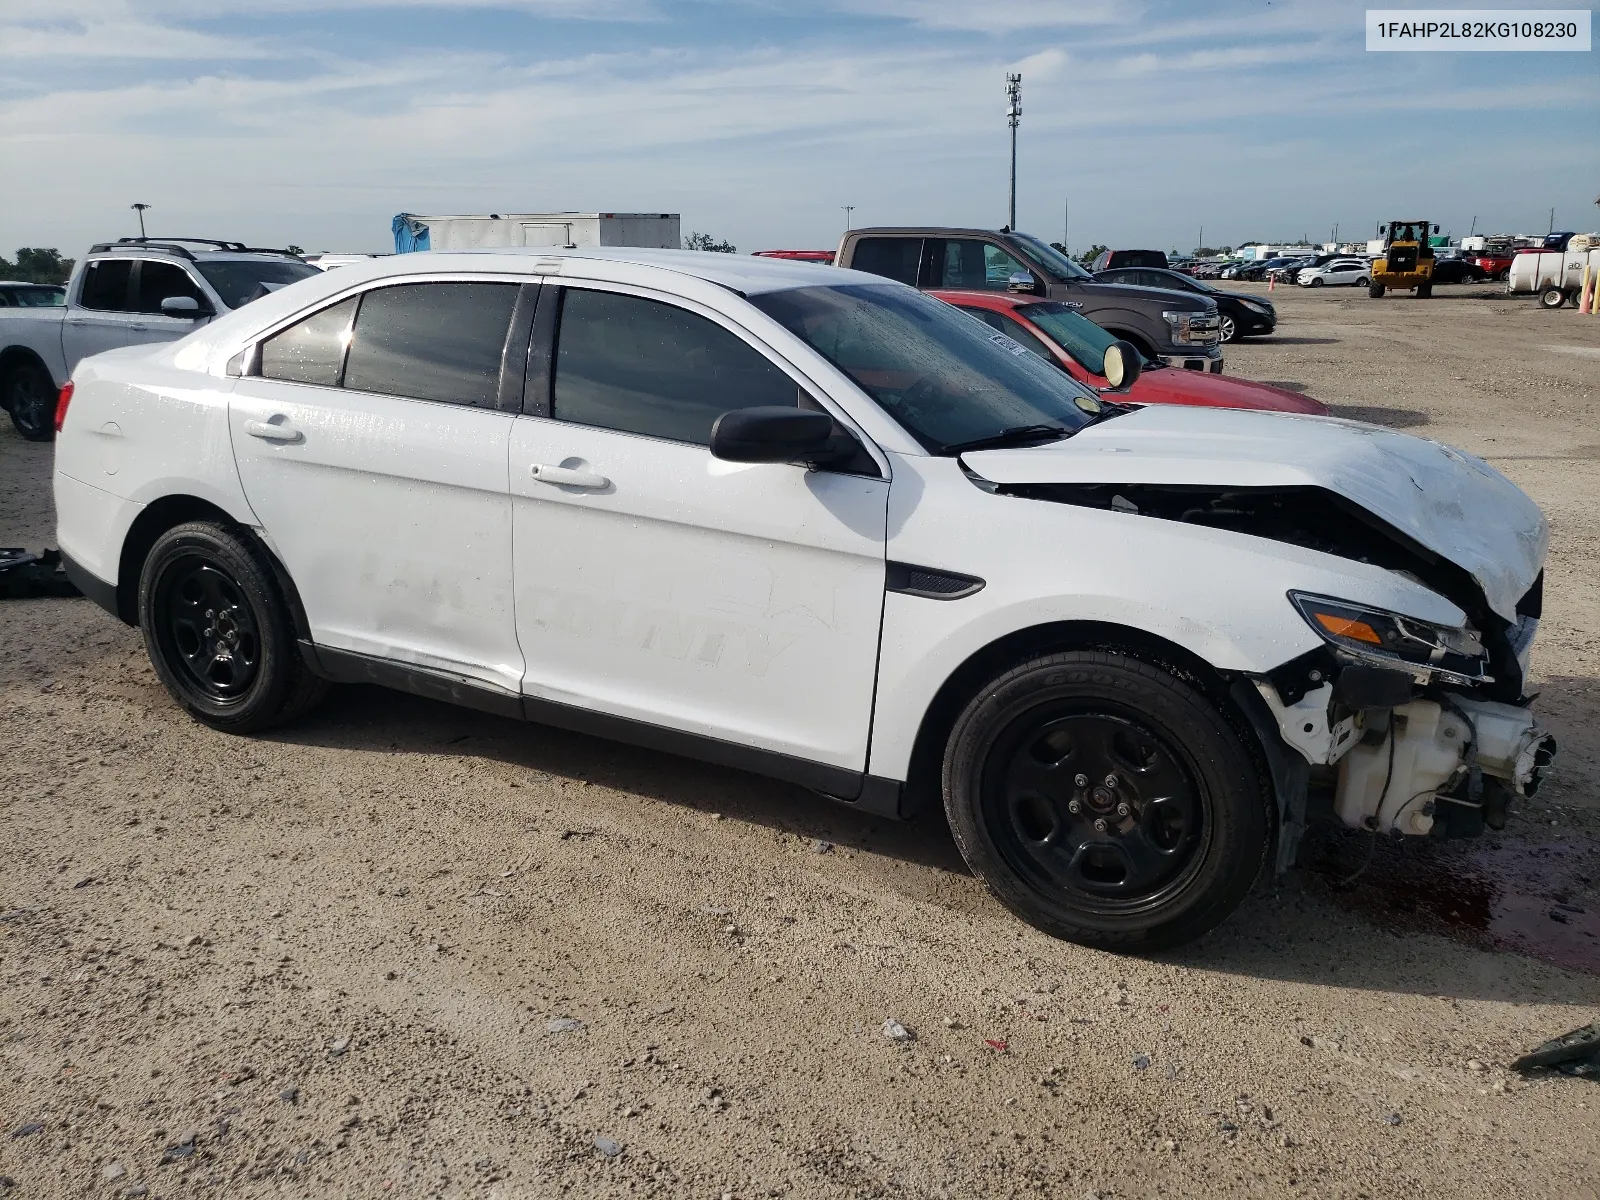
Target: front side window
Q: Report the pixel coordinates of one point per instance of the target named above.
(640, 366)
(158, 280)
(943, 376)
(105, 285)
(312, 350)
(972, 265)
(432, 341)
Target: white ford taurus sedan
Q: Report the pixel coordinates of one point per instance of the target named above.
(814, 524)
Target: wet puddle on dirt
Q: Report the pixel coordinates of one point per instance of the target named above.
(1536, 897)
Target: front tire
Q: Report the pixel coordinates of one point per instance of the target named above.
(31, 398)
(1105, 801)
(1424, 291)
(1362, 282)
(1316, 282)
(219, 633)
(1375, 290)
(1552, 298)
(1229, 329)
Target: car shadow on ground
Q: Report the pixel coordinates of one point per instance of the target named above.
(1393, 418)
(378, 720)
(1299, 927)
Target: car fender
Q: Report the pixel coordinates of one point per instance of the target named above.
(1220, 596)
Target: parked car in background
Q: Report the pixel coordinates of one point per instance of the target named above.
(820, 526)
(1058, 334)
(122, 294)
(1240, 315)
(825, 257)
(1107, 260)
(1289, 270)
(1336, 272)
(32, 295)
(1253, 271)
(1181, 328)
(327, 262)
(1457, 270)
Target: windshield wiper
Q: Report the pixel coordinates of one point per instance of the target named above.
(1017, 435)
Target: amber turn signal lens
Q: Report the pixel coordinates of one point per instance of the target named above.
(1345, 627)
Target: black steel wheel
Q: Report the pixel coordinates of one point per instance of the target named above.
(30, 396)
(205, 623)
(1106, 801)
(218, 630)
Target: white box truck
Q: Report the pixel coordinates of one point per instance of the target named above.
(559, 230)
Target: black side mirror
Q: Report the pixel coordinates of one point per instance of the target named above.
(1122, 366)
(774, 435)
(184, 306)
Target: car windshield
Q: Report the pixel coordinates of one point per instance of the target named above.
(943, 376)
(1052, 258)
(240, 280)
(1080, 337)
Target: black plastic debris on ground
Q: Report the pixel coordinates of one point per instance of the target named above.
(25, 575)
(1575, 1053)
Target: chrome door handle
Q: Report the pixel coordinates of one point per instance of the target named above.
(78, 321)
(266, 430)
(567, 477)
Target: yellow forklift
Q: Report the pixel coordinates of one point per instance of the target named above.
(1407, 260)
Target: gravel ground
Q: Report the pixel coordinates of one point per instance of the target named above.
(408, 950)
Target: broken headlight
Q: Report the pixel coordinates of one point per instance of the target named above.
(1373, 634)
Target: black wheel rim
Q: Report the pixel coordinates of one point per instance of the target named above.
(206, 628)
(1095, 808)
(31, 407)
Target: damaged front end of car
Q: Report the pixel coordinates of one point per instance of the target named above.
(1394, 724)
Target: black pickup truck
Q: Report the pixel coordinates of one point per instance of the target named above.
(1177, 327)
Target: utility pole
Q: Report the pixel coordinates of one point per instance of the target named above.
(1474, 228)
(1202, 243)
(1066, 224)
(1013, 116)
(1552, 228)
(848, 209)
(139, 208)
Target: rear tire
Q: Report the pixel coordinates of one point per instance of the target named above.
(219, 633)
(30, 395)
(1424, 291)
(1362, 282)
(1375, 290)
(1105, 801)
(1316, 282)
(1549, 298)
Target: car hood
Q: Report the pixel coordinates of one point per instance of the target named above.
(1447, 501)
(1173, 385)
(1173, 300)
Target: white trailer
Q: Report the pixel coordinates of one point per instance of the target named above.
(558, 230)
(1555, 276)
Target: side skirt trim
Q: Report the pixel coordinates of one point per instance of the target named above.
(868, 793)
(102, 593)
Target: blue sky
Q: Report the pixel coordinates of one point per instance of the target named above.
(314, 121)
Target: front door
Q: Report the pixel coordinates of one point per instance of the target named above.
(379, 474)
(739, 602)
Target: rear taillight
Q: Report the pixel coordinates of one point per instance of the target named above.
(61, 405)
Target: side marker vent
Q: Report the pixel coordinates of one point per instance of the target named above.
(929, 583)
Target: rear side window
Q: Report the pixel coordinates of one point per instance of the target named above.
(311, 351)
(105, 284)
(158, 280)
(432, 341)
(893, 258)
(640, 366)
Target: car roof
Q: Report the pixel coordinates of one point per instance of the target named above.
(931, 230)
(984, 299)
(746, 274)
(29, 283)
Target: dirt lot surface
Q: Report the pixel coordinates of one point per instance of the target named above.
(409, 950)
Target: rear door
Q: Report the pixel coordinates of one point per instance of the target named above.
(896, 258)
(102, 312)
(372, 440)
(739, 602)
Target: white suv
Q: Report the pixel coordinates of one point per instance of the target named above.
(817, 525)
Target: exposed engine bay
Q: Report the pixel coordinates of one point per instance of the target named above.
(1406, 728)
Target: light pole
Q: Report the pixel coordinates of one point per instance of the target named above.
(1013, 116)
(139, 208)
(848, 209)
